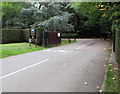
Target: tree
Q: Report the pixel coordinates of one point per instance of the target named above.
(97, 16)
(52, 16)
(10, 14)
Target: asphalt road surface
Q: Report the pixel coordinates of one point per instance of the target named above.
(76, 67)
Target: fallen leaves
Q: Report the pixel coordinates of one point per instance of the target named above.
(97, 87)
(110, 64)
(104, 48)
(114, 78)
(107, 58)
(100, 90)
(110, 70)
(116, 69)
(105, 65)
(85, 83)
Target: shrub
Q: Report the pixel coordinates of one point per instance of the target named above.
(70, 35)
(39, 36)
(20, 35)
(26, 34)
(10, 36)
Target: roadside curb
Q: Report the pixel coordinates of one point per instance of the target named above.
(105, 75)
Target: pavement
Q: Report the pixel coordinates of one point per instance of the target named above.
(76, 67)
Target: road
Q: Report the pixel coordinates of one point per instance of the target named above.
(76, 67)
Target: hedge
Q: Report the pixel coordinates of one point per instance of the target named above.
(26, 34)
(10, 36)
(39, 36)
(20, 35)
(69, 35)
(117, 46)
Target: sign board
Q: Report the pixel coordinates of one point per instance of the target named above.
(58, 34)
(54, 38)
(32, 33)
(30, 40)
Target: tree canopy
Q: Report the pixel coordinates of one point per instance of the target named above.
(86, 17)
(101, 16)
(52, 16)
(11, 14)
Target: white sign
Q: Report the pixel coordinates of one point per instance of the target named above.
(58, 34)
(30, 40)
(32, 30)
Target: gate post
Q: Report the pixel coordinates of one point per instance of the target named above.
(44, 44)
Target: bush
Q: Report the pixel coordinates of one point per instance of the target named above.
(10, 36)
(20, 35)
(39, 36)
(26, 34)
(70, 35)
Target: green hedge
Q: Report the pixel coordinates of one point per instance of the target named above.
(70, 35)
(26, 34)
(14, 36)
(117, 46)
(39, 36)
(10, 36)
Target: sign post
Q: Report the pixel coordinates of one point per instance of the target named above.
(36, 43)
(45, 39)
(30, 42)
(32, 33)
(33, 36)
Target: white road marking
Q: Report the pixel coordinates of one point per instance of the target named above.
(23, 69)
(48, 50)
(54, 50)
(68, 52)
(39, 62)
(76, 49)
(62, 51)
(80, 47)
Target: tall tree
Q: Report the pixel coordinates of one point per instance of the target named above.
(51, 15)
(10, 14)
(101, 15)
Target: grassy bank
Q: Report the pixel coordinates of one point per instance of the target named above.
(17, 48)
(12, 49)
(111, 83)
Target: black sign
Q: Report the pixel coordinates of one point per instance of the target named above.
(32, 33)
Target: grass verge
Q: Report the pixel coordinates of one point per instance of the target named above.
(12, 49)
(17, 48)
(111, 82)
